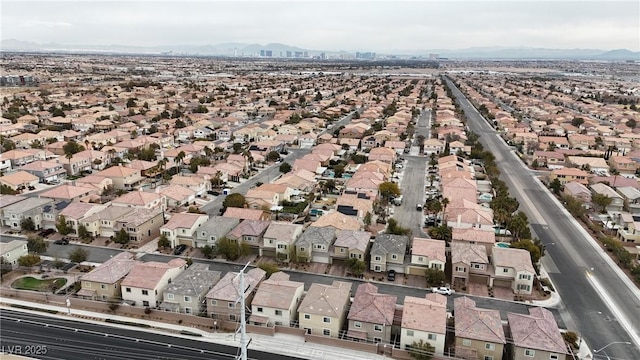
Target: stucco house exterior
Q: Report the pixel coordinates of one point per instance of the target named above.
(324, 308)
(144, 284)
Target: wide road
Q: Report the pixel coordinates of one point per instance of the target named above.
(596, 301)
(44, 337)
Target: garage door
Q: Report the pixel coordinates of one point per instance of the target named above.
(187, 242)
(416, 270)
(502, 283)
(322, 259)
(478, 279)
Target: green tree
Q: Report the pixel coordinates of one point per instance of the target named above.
(79, 255)
(36, 244)
(577, 122)
(441, 232)
(272, 156)
(601, 201)
(285, 167)
(62, 226)
(421, 350)
(367, 218)
(83, 233)
(519, 226)
(231, 249)
(269, 268)
(208, 251)
(27, 224)
(388, 190)
(122, 237)
(434, 277)
(234, 200)
(395, 229)
(7, 190)
(356, 266)
(28, 260)
(163, 241)
(556, 186)
(72, 147)
(631, 123)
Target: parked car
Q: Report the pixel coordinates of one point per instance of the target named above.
(419, 207)
(61, 242)
(443, 290)
(391, 275)
(45, 233)
(179, 249)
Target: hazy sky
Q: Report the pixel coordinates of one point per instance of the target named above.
(329, 25)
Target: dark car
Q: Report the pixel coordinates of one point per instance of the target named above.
(45, 233)
(391, 275)
(179, 249)
(61, 242)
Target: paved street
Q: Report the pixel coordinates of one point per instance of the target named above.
(45, 337)
(412, 187)
(596, 300)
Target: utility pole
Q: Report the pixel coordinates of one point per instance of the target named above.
(244, 341)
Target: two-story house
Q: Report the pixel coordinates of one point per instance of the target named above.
(276, 301)
(314, 244)
(351, 244)
(186, 293)
(141, 225)
(513, 269)
(478, 332)
(279, 240)
(104, 282)
(371, 314)
(387, 252)
(617, 201)
(324, 308)
(469, 263)
(426, 254)
(11, 251)
(250, 232)
(27, 208)
(536, 336)
(144, 284)
(215, 228)
(424, 319)
(222, 299)
(182, 228)
(123, 178)
(45, 170)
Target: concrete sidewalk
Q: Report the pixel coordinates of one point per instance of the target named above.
(282, 344)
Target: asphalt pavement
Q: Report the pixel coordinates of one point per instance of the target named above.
(597, 302)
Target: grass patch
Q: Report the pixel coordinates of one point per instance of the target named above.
(129, 323)
(45, 285)
(33, 308)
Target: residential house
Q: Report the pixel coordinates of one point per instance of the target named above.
(19, 180)
(426, 254)
(314, 244)
(71, 193)
(617, 201)
(513, 269)
(123, 178)
(424, 319)
(200, 185)
(141, 200)
(279, 240)
(469, 263)
(46, 171)
(186, 293)
(107, 219)
(141, 225)
(246, 214)
(478, 332)
(578, 191)
(222, 299)
(387, 252)
(536, 336)
(214, 229)
(11, 251)
(177, 196)
(371, 315)
(624, 164)
(631, 198)
(588, 163)
(182, 228)
(629, 229)
(79, 213)
(351, 244)
(566, 175)
(324, 308)
(276, 301)
(251, 233)
(104, 281)
(144, 284)
(28, 208)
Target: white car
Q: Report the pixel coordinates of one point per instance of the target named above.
(443, 290)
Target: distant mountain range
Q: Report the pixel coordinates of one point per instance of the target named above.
(280, 50)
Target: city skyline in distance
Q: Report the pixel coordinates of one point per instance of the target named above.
(377, 26)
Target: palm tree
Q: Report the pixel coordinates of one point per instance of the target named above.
(444, 203)
(208, 152)
(179, 158)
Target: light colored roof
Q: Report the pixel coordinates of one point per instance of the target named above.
(118, 171)
(538, 330)
(19, 178)
(282, 231)
(183, 221)
(228, 288)
(66, 192)
(317, 235)
(13, 244)
(467, 253)
(242, 213)
(194, 281)
(433, 249)
(338, 221)
(389, 244)
(606, 190)
(137, 198)
(111, 270)
(477, 324)
(474, 234)
(353, 240)
(146, 275)
(371, 307)
(518, 259)
(278, 292)
(427, 314)
(250, 228)
(77, 210)
(327, 300)
(177, 192)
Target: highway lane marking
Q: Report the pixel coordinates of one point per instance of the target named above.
(622, 319)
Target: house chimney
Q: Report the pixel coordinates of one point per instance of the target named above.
(459, 220)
